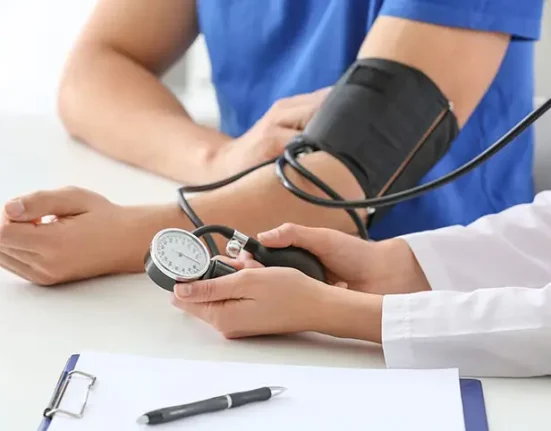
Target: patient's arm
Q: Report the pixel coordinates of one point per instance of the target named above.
(111, 96)
(461, 62)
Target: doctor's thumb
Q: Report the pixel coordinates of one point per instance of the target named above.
(291, 234)
(210, 290)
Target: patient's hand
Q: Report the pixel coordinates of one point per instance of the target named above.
(270, 135)
(87, 236)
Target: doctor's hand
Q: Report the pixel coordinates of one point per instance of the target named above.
(269, 136)
(266, 301)
(88, 236)
(384, 267)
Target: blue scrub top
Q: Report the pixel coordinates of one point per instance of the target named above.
(265, 50)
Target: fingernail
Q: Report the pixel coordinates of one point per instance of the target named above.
(271, 234)
(183, 290)
(15, 208)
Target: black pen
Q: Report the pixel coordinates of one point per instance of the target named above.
(209, 405)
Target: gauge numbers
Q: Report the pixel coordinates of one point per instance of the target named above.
(181, 253)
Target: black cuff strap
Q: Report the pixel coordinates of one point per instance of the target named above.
(387, 122)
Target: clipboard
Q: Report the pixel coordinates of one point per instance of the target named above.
(472, 397)
(474, 406)
(55, 401)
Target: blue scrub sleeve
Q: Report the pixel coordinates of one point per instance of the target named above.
(522, 19)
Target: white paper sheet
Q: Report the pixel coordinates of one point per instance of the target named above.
(316, 399)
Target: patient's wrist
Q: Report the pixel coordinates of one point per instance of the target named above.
(140, 224)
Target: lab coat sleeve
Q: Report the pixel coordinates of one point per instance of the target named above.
(510, 248)
(503, 332)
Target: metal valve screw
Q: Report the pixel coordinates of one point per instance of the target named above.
(233, 248)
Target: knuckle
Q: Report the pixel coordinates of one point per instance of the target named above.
(217, 318)
(245, 276)
(289, 229)
(336, 239)
(82, 194)
(71, 192)
(207, 290)
(39, 195)
(281, 104)
(268, 134)
(71, 189)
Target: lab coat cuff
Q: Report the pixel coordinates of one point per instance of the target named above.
(396, 332)
(429, 260)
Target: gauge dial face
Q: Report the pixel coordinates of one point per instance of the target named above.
(181, 253)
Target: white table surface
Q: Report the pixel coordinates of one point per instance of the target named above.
(41, 327)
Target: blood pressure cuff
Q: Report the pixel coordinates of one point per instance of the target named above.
(387, 122)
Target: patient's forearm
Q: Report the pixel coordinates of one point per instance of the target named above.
(255, 203)
(259, 201)
(121, 109)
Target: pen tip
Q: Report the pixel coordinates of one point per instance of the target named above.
(143, 420)
(276, 390)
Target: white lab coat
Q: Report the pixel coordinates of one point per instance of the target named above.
(489, 311)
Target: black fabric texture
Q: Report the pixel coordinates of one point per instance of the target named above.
(376, 121)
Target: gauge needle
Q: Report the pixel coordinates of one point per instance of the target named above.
(180, 254)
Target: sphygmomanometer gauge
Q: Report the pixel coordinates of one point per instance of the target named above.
(176, 256)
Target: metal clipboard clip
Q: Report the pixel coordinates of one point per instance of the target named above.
(61, 387)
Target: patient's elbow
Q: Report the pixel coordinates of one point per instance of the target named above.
(74, 93)
(68, 105)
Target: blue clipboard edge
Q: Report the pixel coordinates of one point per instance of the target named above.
(69, 366)
(472, 397)
(474, 406)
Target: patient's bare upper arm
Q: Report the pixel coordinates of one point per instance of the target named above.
(462, 62)
(153, 33)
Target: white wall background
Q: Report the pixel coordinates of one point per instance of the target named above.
(35, 36)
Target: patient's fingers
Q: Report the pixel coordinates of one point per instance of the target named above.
(22, 236)
(16, 267)
(24, 256)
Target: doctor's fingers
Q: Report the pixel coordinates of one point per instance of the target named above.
(227, 317)
(243, 261)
